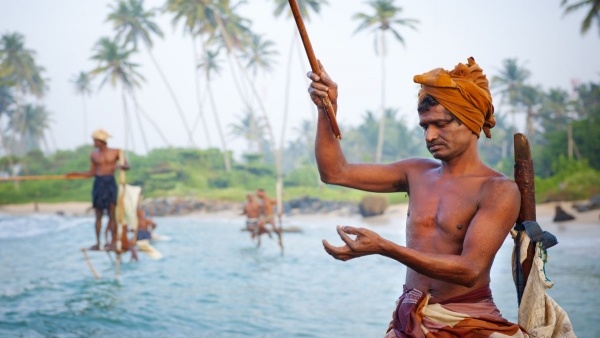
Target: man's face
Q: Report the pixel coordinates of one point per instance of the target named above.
(445, 137)
(260, 193)
(98, 143)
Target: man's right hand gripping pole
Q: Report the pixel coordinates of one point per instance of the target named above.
(323, 91)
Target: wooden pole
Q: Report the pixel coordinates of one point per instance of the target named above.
(87, 259)
(314, 65)
(40, 178)
(120, 216)
(279, 193)
(524, 177)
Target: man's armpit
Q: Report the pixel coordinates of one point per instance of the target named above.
(400, 186)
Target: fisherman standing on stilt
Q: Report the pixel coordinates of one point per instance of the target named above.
(104, 162)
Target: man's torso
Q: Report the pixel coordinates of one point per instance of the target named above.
(105, 161)
(439, 213)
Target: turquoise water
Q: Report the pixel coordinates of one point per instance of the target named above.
(213, 282)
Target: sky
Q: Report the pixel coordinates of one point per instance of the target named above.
(63, 33)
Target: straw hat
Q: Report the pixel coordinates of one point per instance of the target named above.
(100, 134)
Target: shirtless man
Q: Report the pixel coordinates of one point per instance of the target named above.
(252, 212)
(145, 226)
(104, 162)
(460, 210)
(267, 205)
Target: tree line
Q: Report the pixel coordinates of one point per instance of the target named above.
(562, 124)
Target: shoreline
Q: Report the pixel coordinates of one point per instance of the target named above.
(545, 211)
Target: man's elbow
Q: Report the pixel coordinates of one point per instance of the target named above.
(471, 277)
(329, 179)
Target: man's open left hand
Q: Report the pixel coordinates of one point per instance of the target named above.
(365, 243)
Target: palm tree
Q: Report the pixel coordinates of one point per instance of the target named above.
(258, 55)
(115, 67)
(304, 5)
(18, 67)
(530, 99)
(196, 21)
(554, 112)
(249, 127)
(510, 83)
(83, 86)
(18, 64)
(134, 23)
(36, 122)
(7, 102)
(383, 20)
(511, 79)
(593, 14)
(210, 65)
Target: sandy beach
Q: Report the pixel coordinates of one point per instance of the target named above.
(545, 212)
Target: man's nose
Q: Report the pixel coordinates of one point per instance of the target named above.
(431, 134)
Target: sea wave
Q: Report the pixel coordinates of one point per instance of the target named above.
(36, 225)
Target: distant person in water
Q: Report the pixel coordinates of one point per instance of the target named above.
(104, 162)
(145, 226)
(267, 207)
(252, 212)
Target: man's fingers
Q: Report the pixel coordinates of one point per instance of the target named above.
(343, 231)
(313, 76)
(351, 230)
(328, 247)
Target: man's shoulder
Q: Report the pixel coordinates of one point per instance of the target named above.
(419, 163)
(499, 183)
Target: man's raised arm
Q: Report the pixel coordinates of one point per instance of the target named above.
(333, 166)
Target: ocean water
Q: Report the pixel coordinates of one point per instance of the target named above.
(214, 282)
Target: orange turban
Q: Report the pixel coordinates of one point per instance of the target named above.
(464, 92)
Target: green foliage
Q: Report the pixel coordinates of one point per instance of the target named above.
(572, 180)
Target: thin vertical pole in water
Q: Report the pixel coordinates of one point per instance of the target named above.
(87, 259)
(118, 265)
(279, 193)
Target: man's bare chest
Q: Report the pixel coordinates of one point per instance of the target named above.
(443, 207)
(104, 157)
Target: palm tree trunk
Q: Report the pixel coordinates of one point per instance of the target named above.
(530, 128)
(141, 127)
(309, 147)
(172, 93)
(137, 106)
(221, 136)
(126, 127)
(85, 130)
(380, 134)
(570, 141)
(229, 46)
(198, 96)
(6, 147)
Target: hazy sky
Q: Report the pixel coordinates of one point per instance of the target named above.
(63, 33)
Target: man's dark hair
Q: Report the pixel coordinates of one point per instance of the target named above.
(429, 102)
